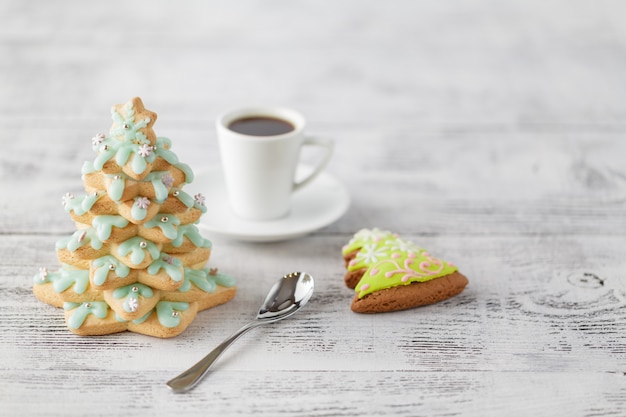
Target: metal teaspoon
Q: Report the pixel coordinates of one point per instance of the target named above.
(286, 296)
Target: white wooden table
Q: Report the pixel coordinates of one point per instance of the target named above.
(492, 133)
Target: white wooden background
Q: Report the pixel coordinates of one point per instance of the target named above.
(491, 132)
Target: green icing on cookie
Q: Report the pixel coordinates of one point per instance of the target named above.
(167, 223)
(391, 262)
(366, 236)
(131, 294)
(186, 169)
(105, 264)
(163, 150)
(172, 266)
(104, 225)
(168, 312)
(206, 279)
(191, 232)
(79, 239)
(64, 278)
(137, 248)
(80, 311)
(80, 205)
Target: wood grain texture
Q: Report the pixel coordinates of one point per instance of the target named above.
(491, 133)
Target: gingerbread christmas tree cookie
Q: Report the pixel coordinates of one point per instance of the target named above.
(390, 274)
(137, 261)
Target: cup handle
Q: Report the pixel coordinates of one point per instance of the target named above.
(325, 143)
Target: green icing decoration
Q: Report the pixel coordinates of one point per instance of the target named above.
(107, 150)
(365, 236)
(80, 205)
(166, 222)
(64, 278)
(123, 153)
(220, 278)
(62, 243)
(193, 235)
(120, 319)
(131, 293)
(104, 225)
(139, 210)
(162, 150)
(87, 168)
(73, 204)
(392, 262)
(124, 141)
(206, 279)
(116, 188)
(171, 265)
(183, 197)
(134, 247)
(374, 251)
(103, 265)
(125, 127)
(160, 189)
(80, 238)
(168, 312)
(187, 171)
(140, 319)
(88, 201)
(200, 206)
(138, 213)
(82, 310)
(139, 164)
(186, 285)
(199, 278)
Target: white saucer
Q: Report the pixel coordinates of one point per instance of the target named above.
(317, 205)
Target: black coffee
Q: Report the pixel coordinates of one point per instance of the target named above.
(260, 126)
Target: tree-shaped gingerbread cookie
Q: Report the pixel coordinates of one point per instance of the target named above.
(137, 260)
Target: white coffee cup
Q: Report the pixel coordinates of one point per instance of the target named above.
(259, 170)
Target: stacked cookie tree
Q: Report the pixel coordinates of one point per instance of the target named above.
(136, 261)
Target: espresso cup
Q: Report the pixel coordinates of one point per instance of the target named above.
(260, 150)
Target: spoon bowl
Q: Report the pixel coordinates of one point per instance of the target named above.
(286, 297)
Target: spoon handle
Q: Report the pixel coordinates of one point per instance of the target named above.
(193, 375)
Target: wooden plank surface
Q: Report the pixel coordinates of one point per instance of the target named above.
(491, 133)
